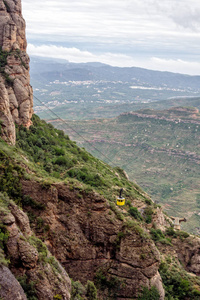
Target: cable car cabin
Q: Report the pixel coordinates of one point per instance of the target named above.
(120, 201)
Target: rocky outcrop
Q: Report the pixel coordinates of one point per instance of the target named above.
(16, 95)
(188, 253)
(39, 272)
(161, 220)
(10, 287)
(92, 243)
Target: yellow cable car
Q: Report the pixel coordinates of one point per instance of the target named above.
(120, 199)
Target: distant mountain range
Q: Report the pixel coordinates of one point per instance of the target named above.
(95, 90)
(55, 69)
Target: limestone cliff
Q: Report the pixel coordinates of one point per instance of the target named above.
(16, 96)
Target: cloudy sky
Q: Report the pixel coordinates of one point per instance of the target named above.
(153, 34)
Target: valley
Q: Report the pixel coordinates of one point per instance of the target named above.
(146, 122)
(158, 149)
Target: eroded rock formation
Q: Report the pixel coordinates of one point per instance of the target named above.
(41, 274)
(16, 95)
(92, 244)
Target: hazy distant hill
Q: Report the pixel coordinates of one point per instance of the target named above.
(64, 71)
(94, 90)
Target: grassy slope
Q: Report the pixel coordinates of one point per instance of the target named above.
(142, 147)
(55, 157)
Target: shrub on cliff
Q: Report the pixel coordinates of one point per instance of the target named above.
(3, 59)
(149, 294)
(78, 290)
(10, 175)
(28, 287)
(133, 211)
(91, 291)
(177, 283)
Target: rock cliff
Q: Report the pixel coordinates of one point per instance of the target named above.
(38, 272)
(90, 242)
(16, 96)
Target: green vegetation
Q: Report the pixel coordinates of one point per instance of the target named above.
(55, 157)
(10, 175)
(44, 257)
(28, 201)
(120, 235)
(91, 291)
(54, 152)
(4, 234)
(177, 283)
(133, 211)
(3, 260)
(158, 236)
(41, 248)
(78, 291)
(135, 226)
(103, 280)
(28, 287)
(172, 233)
(149, 294)
(3, 59)
(148, 214)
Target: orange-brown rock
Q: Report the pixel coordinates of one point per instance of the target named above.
(16, 95)
(38, 268)
(188, 253)
(88, 239)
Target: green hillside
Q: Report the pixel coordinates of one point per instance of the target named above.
(50, 156)
(158, 149)
(45, 157)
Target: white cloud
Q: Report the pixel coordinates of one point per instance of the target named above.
(120, 31)
(122, 19)
(115, 59)
(77, 56)
(176, 66)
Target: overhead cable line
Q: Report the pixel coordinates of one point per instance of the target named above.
(82, 137)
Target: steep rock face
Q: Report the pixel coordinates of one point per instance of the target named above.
(161, 220)
(90, 242)
(10, 287)
(41, 274)
(188, 253)
(16, 95)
